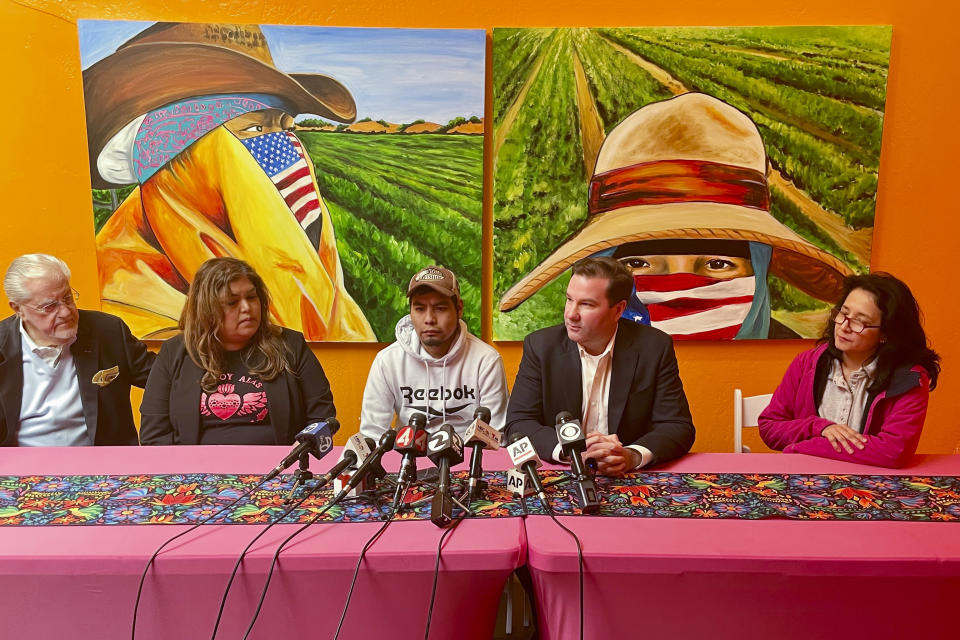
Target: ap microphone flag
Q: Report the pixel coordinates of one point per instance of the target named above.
(524, 457)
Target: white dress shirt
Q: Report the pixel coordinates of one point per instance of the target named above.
(51, 412)
(595, 374)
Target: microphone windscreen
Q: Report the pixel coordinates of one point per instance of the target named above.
(522, 451)
(570, 434)
(479, 432)
(387, 439)
(445, 443)
(318, 437)
(418, 420)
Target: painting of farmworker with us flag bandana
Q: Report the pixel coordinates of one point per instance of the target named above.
(733, 170)
(198, 120)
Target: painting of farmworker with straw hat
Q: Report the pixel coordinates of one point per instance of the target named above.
(199, 120)
(679, 195)
(733, 170)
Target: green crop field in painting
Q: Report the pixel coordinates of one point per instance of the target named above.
(398, 203)
(816, 95)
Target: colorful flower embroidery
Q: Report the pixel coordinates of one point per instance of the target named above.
(190, 498)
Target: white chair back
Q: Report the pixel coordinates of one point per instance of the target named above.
(746, 413)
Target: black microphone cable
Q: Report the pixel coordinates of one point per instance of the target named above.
(436, 570)
(550, 512)
(243, 554)
(323, 481)
(273, 564)
(356, 569)
(386, 442)
(276, 556)
(146, 569)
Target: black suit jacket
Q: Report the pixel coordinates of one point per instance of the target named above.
(646, 405)
(103, 341)
(170, 411)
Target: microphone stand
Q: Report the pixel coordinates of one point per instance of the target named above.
(476, 483)
(403, 486)
(450, 491)
(301, 475)
(406, 477)
(453, 498)
(460, 504)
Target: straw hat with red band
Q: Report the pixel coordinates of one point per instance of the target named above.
(172, 61)
(691, 167)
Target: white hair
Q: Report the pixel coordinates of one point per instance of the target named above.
(28, 267)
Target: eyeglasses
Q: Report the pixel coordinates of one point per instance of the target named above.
(69, 300)
(857, 326)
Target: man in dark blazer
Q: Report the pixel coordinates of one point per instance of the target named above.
(77, 369)
(631, 399)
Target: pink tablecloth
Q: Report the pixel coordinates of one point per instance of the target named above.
(80, 581)
(771, 579)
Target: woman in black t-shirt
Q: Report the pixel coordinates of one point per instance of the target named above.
(232, 376)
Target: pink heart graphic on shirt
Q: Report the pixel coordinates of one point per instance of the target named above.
(224, 403)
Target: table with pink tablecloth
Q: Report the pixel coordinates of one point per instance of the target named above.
(80, 581)
(731, 578)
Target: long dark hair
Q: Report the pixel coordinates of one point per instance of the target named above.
(906, 343)
(202, 317)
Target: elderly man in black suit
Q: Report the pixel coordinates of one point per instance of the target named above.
(619, 377)
(65, 374)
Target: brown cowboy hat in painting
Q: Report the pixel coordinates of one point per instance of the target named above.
(171, 61)
(690, 167)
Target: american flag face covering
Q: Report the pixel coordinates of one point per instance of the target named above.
(693, 307)
(282, 157)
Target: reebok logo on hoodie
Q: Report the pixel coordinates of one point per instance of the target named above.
(460, 393)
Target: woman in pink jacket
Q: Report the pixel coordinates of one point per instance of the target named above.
(861, 394)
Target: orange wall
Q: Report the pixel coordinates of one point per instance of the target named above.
(46, 197)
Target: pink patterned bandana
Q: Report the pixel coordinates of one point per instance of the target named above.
(167, 131)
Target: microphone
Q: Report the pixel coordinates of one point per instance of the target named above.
(362, 447)
(479, 436)
(572, 443)
(411, 442)
(525, 459)
(377, 471)
(370, 465)
(316, 439)
(517, 484)
(445, 449)
(354, 453)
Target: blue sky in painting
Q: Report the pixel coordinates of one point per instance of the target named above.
(398, 75)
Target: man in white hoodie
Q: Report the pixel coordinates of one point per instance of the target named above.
(436, 367)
